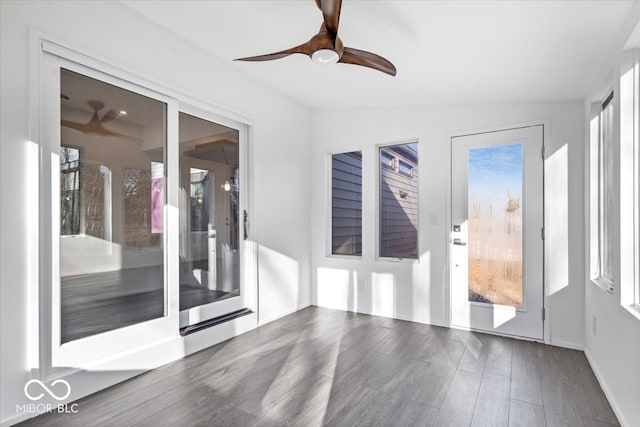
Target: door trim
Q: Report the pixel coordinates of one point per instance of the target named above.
(545, 123)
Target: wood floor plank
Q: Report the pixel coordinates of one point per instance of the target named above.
(525, 372)
(365, 336)
(431, 385)
(588, 422)
(492, 405)
(442, 352)
(523, 414)
(459, 403)
(498, 364)
(473, 362)
(556, 390)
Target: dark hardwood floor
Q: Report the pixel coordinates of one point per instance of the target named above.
(327, 367)
(95, 303)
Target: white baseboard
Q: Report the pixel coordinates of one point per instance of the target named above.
(395, 316)
(606, 390)
(566, 344)
(283, 314)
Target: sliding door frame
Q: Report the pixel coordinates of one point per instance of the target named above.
(46, 358)
(247, 298)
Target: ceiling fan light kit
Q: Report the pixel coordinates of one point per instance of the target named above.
(325, 56)
(327, 48)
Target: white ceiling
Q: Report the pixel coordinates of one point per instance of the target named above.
(445, 51)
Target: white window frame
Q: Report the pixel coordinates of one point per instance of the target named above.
(597, 196)
(630, 181)
(329, 205)
(379, 165)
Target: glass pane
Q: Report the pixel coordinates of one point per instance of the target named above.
(111, 201)
(399, 201)
(495, 224)
(607, 195)
(346, 203)
(209, 212)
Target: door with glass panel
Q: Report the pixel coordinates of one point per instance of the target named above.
(104, 181)
(211, 217)
(496, 236)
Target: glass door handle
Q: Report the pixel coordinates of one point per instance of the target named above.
(246, 216)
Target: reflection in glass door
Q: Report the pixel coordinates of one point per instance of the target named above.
(209, 220)
(111, 171)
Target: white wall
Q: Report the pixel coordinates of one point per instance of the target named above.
(613, 348)
(418, 291)
(279, 155)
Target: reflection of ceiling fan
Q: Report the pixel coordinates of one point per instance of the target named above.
(326, 47)
(95, 125)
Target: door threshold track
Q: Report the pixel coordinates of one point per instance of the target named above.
(215, 321)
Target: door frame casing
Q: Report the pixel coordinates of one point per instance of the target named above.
(545, 123)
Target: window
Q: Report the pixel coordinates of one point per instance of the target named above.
(630, 181)
(602, 196)
(69, 191)
(398, 201)
(346, 203)
(636, 181)
(405, 168)
(82, 191)
(142, 201)
(387, 160)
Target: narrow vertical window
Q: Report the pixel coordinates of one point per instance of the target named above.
(636, 180)
(398, 201)
(630, 181)
(603, 196)
(69, 191)
(346, 203)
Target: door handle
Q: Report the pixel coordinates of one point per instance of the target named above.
(246, 219)
(459, 242)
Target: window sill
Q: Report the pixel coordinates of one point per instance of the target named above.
(338, 256)
(634, 309)
(603, 284)
(400, 260)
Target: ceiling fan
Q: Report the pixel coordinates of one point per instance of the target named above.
(326, 47)
(95, 124)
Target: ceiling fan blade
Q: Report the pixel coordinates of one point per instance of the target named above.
(98, 129)
(82, 127)
(119, 135)
(108, 116)
(367, 59)
(95, 129)
(331, 13)
(303, 48)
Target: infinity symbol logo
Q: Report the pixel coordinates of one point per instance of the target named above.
(47, 389)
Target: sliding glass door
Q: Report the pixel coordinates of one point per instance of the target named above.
(148, 220)
(211, 213)
(104, 180)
